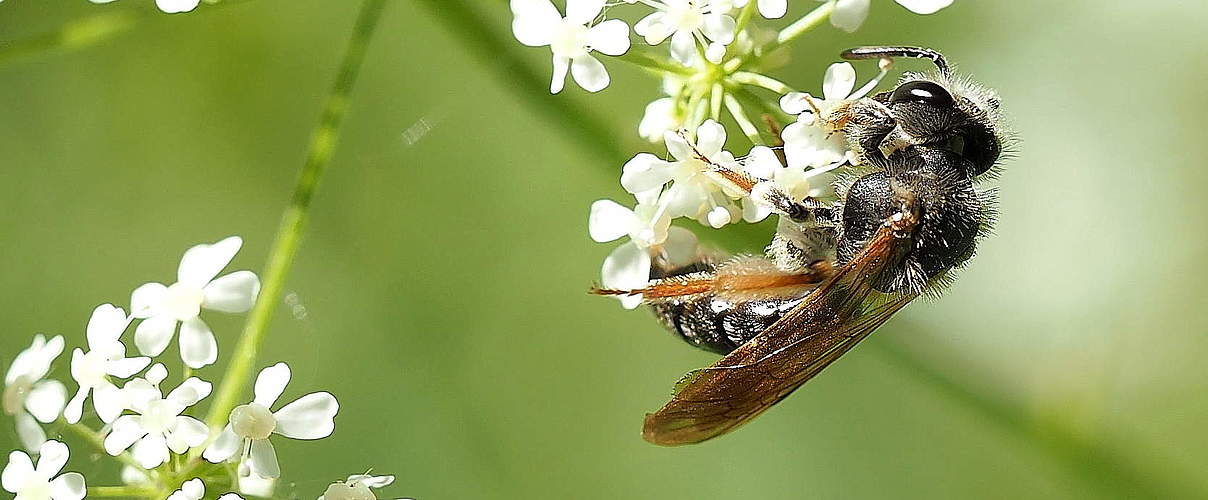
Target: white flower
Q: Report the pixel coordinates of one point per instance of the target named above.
(693, 194)
(251, 484)
(192, 489)
(309, 417)
(537, 23)
(771, 9)
(793, 181)
(356, 487)
(659, 118)
(810, 141)
(176, 6)
(158, 425)
(106, 357)
(686, 22)
(163, 307)
(27, 397)
(36, 483)
(230, 496)
(848, 15)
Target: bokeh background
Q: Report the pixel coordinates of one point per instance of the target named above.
(439, 293)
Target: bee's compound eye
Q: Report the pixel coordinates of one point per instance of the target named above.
(923, 92)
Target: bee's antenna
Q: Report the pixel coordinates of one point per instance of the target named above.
(876, 52)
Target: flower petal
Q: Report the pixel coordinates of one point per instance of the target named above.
(609, 220)
(202, 263)
(224, 446)
(197, 345)
(126, 430)
(109, 401)
(153, 334)
(681, 247)
(69, 486)
(849, 14)
(773, 9)
(146, 299)
(52, 456)
(230, 496)
(710, 138)
(29, 432)
(270, 383)
(719, 28)
(372, 481)
(653, 28)
(589, 73)
(34, 362)
(924, 6)
(583, 11)
(309, 417)
(795, 103)
(151, 451)
(264, 459)
(189, 392)
(626, 268)
(17, 471)
(534, 21)
(75, 408)
(839, 81)
(645, 172)
(610, 37)
(190, 430)
(176, 6)
(683, 47)
(105, 325)
(677, 146)
(659, 117)
(558, 80)
(45, 400)
(126, 367)
(233, 293)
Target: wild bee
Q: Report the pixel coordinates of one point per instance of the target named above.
(906, 218)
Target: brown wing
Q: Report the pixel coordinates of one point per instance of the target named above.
(834, 318)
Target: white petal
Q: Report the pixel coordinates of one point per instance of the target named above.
(105, 325)
(190, 391)
(153, 334)
(126, 367)
(645, 172)
(17, 471)
(372, 481)
(146, 299)
(264, 459)
(849, 14)
(609, 220)
(224, 446)
(109, 401)
(681, 247)
(610, 37)
(202, 263)
(230, 496)
(653, 28)
(683, 47)
(156, 374)
(659, 117)
(125, 431)
(710, 138)
(176, 6)
(46, 399)
(193, 488)
(626, 268)
(753, 211)
(29, 432)
(233, 293)
(773, 9)
(197, 345)
(151, 451)
(762, 162)
(924, 6)
(190, 430)
(309, 417)
(270, 383)
(839, 81)
(69, 486)
(75, 408)
(715, 52)
(34, 362)
(719, 28)
(139, 393)
(718, 217)
(52, 456)
(589, 73)
(583, 11)
(252, 484)
(558, 80)
(534, 21)
(795, 103)
(685, 200)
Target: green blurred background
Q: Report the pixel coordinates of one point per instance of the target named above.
(439, 293)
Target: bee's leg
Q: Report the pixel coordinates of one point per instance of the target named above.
(808, 211)
(867, 124)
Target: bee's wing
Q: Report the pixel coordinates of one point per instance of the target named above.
(737, 388)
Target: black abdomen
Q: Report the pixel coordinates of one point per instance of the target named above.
(720, 325)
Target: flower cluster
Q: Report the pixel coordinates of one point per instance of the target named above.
(168, 6)
(717, 60)
(145, 422)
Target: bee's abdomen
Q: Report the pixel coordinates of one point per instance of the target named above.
(720, 325)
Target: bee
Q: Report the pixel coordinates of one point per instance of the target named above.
(907, 217)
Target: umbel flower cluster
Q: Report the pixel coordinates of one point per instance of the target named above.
(128, 406)
(713, 73)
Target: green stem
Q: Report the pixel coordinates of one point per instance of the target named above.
(120, 492)
(802, 26)
(75, 34)
(293, 221)
(646, 60)
(97, 441)
(748, 128)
